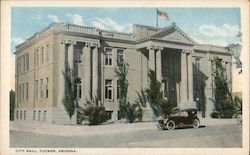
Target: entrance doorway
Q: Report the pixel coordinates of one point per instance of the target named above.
(169, 89)
(171, 73)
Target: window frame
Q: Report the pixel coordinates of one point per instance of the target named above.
(41, 88)
(120, 54)
(19, 65)
(47, 88)
(23, 65)
(108, 90)
(27, 91)
(24, 115)
(39, 115)
(44, 115)
(197, 63)
(42, 55)
(108, 57)
(17, 113)
(36, 89)
(34, 115)
(118, 90)
(27, 62)
(23, 92)
(47, 49)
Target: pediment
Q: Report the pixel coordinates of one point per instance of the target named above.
(176, 35)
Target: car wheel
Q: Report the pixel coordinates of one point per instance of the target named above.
(196, 123)
(170, 125)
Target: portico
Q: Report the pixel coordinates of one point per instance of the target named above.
(173, 68)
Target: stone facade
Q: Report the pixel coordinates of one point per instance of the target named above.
(93, 54)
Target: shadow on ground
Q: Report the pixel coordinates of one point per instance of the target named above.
(187, 127)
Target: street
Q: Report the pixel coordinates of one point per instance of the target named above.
(216, 136)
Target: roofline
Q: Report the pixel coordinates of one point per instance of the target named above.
(66, 26)
(146, 26)
(211, 45)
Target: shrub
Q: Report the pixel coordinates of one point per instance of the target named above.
(131, 111)
(93, 113)
(215, 114)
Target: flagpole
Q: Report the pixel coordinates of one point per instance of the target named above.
(156, 18)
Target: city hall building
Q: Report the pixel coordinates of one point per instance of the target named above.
(178, 61)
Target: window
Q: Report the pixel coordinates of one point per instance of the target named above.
(39, 114)
(118, 89)
(27, 91)
(44, 115)
(37, 58)
(78, 88)
(42, 55)
(17, 114)
(27, 62)
(46, 88)
(79, 91)
(120, 56)
(34, 115)
(19, 92)
(78, 51)
(24, 115)
(108, 89)
(36, 89)
(23, 65)
(23, 92)
(19, 65)
(41, 88)
(197, 64)
(108, 57)
(47, 53)
(21, 115)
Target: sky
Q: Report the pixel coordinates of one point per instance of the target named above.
(217, 26)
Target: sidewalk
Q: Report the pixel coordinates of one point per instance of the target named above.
(85, 130)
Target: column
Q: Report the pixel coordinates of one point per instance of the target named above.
(183, 84)
(102, 91)
(149, 115)
(95, 71)
(190, 78)
(210, 70)
(87, 71)
(71, 55)
(151, 58)
(61, 68)
(158, 65)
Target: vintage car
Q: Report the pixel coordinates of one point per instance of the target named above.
(180, 118)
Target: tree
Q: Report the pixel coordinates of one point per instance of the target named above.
(69, 94)
(129, 111)
(159, 105)
(224, 103)
(12, 104)
(201, 103)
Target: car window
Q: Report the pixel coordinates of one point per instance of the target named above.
(176, 114)
(181, 113)
(185, 114)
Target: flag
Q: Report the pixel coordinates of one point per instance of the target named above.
(162, 15)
